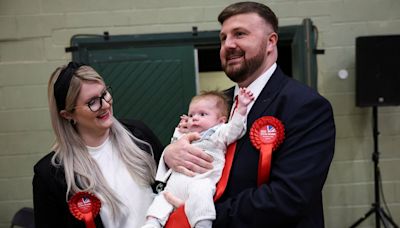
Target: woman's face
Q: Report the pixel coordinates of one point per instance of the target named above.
(92, 123)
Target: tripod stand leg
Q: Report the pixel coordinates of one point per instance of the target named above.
(380, 213)
(381, 217)
(363, 218)
(384, 216)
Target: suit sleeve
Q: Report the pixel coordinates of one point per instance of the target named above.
(298, 171)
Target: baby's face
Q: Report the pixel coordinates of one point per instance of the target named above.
(203, 114)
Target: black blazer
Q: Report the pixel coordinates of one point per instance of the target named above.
(49, 186)
(299, 167)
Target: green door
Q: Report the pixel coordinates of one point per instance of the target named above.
(152, 84)
(304, 54)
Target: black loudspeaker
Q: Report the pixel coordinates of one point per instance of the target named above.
(378, 70)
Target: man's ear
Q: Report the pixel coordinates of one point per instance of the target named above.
(66, 115)
(272, 41)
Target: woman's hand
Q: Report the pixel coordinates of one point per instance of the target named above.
(185, 158)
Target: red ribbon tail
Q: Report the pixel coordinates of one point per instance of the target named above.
(264, 163)
(89, 220)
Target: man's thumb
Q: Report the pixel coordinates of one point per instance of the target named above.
(192, 136)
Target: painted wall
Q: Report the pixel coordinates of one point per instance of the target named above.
(34, 34)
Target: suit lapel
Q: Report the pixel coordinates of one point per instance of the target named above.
(267, 95)
(230, 93)
(264, 100)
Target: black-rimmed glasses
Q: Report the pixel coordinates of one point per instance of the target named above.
(96, 103)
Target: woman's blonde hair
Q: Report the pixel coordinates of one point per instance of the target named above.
(81, 170)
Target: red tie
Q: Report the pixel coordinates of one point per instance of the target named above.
(230, 152)
(178, 217)
(236, 102)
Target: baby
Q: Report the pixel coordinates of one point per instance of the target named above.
(208, 113)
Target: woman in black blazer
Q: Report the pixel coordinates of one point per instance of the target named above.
(94, 153)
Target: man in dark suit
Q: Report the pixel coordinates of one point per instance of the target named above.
(292, 197)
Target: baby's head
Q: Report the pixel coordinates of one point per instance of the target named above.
(207, 110)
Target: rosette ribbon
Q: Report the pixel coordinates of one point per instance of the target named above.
(85, 206)
(266, 134)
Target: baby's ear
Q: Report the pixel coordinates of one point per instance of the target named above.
(222, 119)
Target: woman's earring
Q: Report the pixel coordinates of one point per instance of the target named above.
(73, 122)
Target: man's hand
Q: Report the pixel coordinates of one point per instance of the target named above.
(185, 158)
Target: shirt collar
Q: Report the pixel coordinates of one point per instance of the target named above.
(257, 85)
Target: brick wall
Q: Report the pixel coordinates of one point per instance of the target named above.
(34, 34)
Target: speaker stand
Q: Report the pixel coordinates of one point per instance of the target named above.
(380, 214)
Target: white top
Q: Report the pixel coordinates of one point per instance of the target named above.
(136, 198)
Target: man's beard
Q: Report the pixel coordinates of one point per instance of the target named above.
(246, 68)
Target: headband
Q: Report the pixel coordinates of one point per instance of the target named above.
(62, 84)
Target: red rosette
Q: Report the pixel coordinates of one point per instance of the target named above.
(266, 134)
(85, 206)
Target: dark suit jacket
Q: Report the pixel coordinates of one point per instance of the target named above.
(299, 167)
(49, 186)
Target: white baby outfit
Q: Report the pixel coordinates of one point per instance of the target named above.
(198, 191)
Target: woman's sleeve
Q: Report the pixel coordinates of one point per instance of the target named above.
(46, 206)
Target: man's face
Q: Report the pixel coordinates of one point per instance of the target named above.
(245, 46)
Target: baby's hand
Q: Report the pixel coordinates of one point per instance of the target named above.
(183, 124)
(245, 97)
